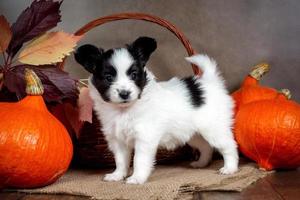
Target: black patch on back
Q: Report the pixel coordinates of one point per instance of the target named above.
(195, 91)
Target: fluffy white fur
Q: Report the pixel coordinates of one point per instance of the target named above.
(164, 117)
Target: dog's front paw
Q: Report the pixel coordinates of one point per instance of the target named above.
(115, 176)
(135, 180)
(228, 170)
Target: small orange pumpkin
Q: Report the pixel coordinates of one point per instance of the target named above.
(268, 131)
(35, 148)
(251, 90)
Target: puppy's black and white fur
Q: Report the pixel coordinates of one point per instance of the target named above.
(139, 113)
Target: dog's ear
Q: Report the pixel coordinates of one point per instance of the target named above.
(88, 56)
(142, 48)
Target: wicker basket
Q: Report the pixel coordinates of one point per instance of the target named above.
(91, 148)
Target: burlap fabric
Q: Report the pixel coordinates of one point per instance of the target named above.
(166, 182)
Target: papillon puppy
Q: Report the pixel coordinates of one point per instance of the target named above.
(139, 113)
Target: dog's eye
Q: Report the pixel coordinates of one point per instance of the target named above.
(108, 78)
(133, 75)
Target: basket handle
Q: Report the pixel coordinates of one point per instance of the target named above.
(144, 17)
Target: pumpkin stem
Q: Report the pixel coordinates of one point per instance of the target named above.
(259, 70)
(34, 85)
(286, 93)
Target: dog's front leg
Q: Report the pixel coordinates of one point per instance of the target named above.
(144, 159)
(122, 155)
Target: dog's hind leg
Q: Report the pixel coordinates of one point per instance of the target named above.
(205, 150)
(230, 155)
(224, 142)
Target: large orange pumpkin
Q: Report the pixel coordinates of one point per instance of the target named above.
(268, 131)
(251, 90)
(35, 148)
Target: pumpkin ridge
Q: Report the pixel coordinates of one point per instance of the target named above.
(256, 151)
(272, 149)
(255, 147)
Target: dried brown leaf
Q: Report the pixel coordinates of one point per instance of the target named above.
(49, 48)
(5, 34)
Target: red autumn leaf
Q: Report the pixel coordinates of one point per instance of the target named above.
(7, 96)
(67, 114)
(58, 85)
(77, 116)
(35, 20)
(15, 82)
(1, 80)
(5, 34)
(80, 114)
(85, 105)
(72, 114)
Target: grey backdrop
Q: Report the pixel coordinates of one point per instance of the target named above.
(237, 33)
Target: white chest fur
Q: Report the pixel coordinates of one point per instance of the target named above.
(156, 117)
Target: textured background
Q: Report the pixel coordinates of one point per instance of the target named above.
(237, 33)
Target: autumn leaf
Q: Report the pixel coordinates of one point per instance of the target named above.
(67, 114)
(85, 105)
(7, 96)
(49, 48)
(58, 85)
(77, 116)
(74, 117)
(15, 82)
(5, 34)
(35, 20)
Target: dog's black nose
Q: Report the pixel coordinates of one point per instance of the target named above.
(124, 94)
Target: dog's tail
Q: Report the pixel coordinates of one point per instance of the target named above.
(207, 65)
